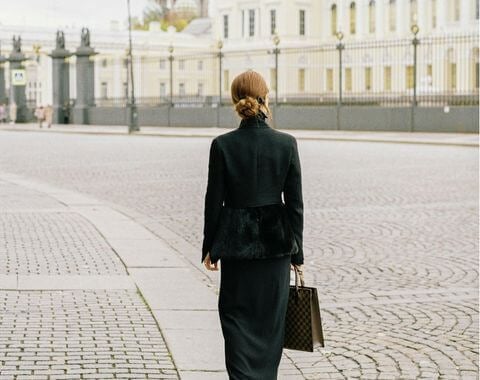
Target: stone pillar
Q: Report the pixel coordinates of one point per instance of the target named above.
(18, 80)
(85, 79)
(3, 93)
(60, 80)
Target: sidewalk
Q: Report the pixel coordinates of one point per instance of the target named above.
(116, 301)
(459, 139)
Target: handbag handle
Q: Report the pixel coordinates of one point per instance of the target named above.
(298, 274)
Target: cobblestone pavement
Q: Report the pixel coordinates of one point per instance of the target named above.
(391, 237)
(69, 334)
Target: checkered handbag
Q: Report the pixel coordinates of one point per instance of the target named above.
(303, 325)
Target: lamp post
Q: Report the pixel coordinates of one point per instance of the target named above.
(132, 107)
(415, 41)
(170, 58)
(276, 51)
(340, 46)
(220, 58)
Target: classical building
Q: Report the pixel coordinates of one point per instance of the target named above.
(378, 54)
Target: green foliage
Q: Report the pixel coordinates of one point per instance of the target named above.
(154, 12)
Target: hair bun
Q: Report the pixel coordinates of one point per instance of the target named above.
(247, 106)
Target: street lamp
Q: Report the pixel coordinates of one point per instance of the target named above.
(132, 107)
(415, 41)
(220, 56)
(276, 51)
(340, 46)
(170, 58)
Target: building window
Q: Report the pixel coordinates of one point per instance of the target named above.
(413, 12)
(104, 62)
(409, 77)
(302, 22)
(348, 79)
(251, 22)
(273, 21)
(104, 90)
(301, 80)
(434, 13)
(243, 22)
(226, 80)
(387, 78)
(125, 89)
(200, 89)
(477, 10)
(352, 18)
(181, 64)
(163, 64)
(392, 14)
(163, 89)
(200, 65)
(368, 78)
(429, 75)
(333, 19)
(454, 10)
(181, 89)
(451, 67)
(475, 67)
(371, 16)
(273, 84)
(225, 26)
(330, 80)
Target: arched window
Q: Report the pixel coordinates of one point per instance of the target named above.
(371, 16)
(434, 14)
(392, 14)
(333, 19)
(413, 12)
(353, 17)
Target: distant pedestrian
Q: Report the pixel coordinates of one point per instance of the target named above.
(13, 112)
(48, 115)
(256, 237)
(3, 113)
(40, 115)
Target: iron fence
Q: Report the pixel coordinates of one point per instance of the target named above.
(430, 71)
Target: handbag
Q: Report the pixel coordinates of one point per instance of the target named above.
(303, 324)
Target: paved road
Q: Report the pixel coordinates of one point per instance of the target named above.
(391, 237)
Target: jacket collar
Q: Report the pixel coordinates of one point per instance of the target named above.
(257, 121)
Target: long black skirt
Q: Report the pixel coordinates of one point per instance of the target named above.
(252, 305)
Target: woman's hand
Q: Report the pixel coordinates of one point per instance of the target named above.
(299, 267)
(208, 264)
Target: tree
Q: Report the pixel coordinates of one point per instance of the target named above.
(157, 11)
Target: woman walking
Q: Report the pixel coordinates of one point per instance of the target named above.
(255, 235)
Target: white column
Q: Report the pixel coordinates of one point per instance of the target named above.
(467, 12)
(362, 17)
(442, 7)
(403, 18)
(422, 16)
(380, 17)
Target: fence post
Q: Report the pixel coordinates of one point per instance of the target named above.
(415, 43)
(3, 95)
(60, 79)
(170, 58)
(220, 57)
(18, 80)
(340, 47)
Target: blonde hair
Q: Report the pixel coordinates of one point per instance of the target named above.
(249, 91)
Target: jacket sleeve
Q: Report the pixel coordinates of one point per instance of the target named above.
(214, 196)
(294, 201)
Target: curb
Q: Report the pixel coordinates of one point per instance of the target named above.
(211, 135)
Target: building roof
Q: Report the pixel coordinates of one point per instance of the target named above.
(199, 27)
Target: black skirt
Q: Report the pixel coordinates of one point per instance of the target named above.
(252, 305)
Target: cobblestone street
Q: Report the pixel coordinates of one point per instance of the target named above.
(391, 243)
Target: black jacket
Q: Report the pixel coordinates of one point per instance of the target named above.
(251, 166)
